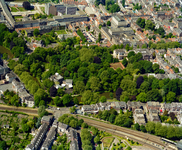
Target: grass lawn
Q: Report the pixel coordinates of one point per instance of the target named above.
(43, 9)
(61, 32)
(107, 141)
(17, 17)
(21, 9)
(13, 9)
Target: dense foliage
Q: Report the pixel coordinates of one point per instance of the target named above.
(71, 121)
(17, 134)
(89, 67)
(79, 32)
(11, 41)
(112, 7)
(121, 119)
(137, 6)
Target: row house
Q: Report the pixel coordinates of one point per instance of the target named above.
(73, 139)
(25, 97)
(89, 109)
(17, 85)
(37, 140)
(134, 105)
(163, 64)
(153, 116)
(118, 105)
(153, 105)
(174, 51)
(51, 136)
(174, 107)
(62, 128)
(139, 117)
(94, 108)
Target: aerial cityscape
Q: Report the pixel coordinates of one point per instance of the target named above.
(90, 75)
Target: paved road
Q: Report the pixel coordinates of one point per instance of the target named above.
(38, 8)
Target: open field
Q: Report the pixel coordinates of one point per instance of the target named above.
(43, 9)
(13, 9)
(117, 65)
(61, 32)
(21, 9)
(107, 141)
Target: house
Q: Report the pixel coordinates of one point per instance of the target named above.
(153, 115)
(22, 93)
(49, 139)
(147, 55)
(3, 70)
(73, 137)
(161, 76)
(10, 76)
(134, 105)
(89, 109)
(29, 101)
(37, 140)
(62, 128)
(68, 83)
(57, 78)
(153, 105)
(37, 43)
(139, 117)
(179, 145)
(179, 117)
(55, 124)
(118, 105)
(119, 53)
(17, 85)
(74, 145)
(46, 119)
(104, 106)
(6, 126)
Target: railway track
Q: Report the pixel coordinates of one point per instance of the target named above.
(27, 111)
(146, 139)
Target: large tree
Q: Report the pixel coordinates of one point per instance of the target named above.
(53, 91)
(139, 81)
(36, 32)
(153, 95)
(26, 5)
(67, 99)
(171, 97)
(79, 87)
(142, 97)
(118, 93)
(94, 83)
(42, 111)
